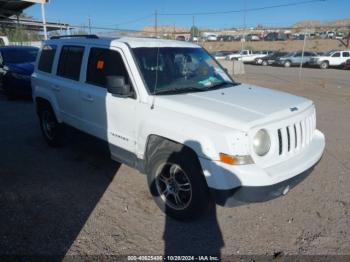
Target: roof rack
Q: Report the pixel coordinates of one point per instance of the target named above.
(74, 36)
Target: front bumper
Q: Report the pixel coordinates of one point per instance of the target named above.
(315, 63)
(223, 177)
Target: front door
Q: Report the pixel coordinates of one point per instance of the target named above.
(109, 117)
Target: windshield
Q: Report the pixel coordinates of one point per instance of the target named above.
(16, 56)
(169, 69)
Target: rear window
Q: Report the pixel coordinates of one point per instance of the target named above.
(103, 63)
(46, 59)
(69, 65)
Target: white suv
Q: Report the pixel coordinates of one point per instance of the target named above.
(331, 58)
(168, 109)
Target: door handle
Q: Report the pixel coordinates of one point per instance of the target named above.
(88, 98)
(55, 88)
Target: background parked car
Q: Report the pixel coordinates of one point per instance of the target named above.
(4, 40)
(16, 67)
(222, 54)
(180, 38)
(212, 38)
(274, 36)
(295, 58)
(252, 37)
(270, 59)
(331, 58)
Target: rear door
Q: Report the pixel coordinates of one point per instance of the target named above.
(67, 84)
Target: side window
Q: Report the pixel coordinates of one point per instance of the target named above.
(337, 54)
(46, 59)
(346, 54)
(102, 63)
(70, 62)
(2, 43)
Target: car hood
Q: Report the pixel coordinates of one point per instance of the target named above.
(22, 68)
(240, 107)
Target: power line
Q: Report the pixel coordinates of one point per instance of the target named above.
(242, 10)
(133, 20)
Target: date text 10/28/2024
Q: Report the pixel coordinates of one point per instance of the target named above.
(173, 258)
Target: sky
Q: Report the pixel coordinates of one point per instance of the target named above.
(122, 14)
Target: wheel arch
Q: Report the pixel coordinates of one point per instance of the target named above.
(41, 101)
(155, 142)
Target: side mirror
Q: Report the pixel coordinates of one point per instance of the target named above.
(116, 86)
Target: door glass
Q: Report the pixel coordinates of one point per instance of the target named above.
(70, 62)
(102, 63)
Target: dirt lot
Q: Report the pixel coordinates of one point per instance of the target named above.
(75, 200)
(317, 45)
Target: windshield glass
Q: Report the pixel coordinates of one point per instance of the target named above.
(15, 56)
(179, 69)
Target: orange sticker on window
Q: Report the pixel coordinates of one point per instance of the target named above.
(100, 64)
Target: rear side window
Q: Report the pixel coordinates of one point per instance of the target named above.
(70, 62)
(102, 63)
(46, 59)
(346, 54)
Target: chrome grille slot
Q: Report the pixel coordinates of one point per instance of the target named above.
(280, 142)
(297, 135)
(288, 138)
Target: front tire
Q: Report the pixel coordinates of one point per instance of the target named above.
(287, 64)
(264, 63)
(177, 183)
(51, 129)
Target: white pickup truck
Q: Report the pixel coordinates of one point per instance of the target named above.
(168, 109)
(248, 56)
(332, 58)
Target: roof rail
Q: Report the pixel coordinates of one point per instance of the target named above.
(74, 36)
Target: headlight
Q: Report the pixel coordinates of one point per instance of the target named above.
(261, 142)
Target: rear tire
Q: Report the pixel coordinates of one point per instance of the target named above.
(176, 182)
(51, 129)
(324, 65)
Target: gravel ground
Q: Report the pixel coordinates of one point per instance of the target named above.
(76, 201)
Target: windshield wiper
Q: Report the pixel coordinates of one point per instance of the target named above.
(221, 84)
(177, 90)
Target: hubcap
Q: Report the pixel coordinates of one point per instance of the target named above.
(174, 186)
(48, 124)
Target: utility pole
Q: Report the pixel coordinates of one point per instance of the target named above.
(156, 23)
(193, 24)
(44, 20)
(302, 55)
(89, 25)
(244, 24)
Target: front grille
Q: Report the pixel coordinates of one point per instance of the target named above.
(296, 136)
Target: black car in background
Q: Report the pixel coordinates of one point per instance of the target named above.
(270, 59)
(16, 68)
(274, 36)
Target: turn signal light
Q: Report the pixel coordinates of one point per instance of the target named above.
(235, 160)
